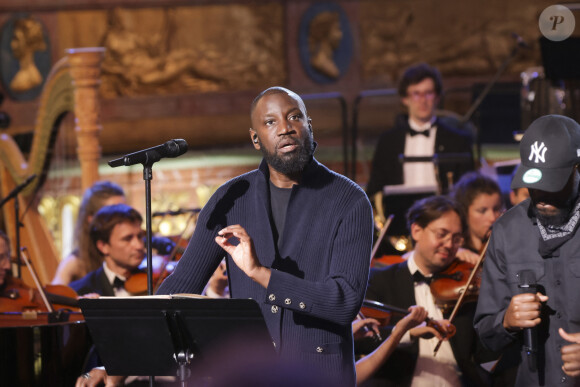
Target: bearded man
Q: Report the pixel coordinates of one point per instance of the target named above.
(297, 239)
(528, 302)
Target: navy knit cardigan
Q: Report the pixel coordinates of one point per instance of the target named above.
(319, 272)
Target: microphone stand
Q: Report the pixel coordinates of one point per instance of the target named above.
(148, 176)
(14, 195)
(147, 158)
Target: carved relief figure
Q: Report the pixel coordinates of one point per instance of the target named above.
(323, 40)
(154, 54)
(141, 61)
(28, 38)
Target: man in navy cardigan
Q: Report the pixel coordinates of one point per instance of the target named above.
(297, 237)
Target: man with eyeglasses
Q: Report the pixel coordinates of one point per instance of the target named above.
(436, 225)
(419, 133)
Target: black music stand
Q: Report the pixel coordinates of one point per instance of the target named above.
(397, 199)
(161, 335)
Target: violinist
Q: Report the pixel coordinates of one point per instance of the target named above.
(531, 272)
(436, 224)
(480, 199)
(116, 233)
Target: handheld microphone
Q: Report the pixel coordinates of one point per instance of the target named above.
(527, 284)
(171, 148)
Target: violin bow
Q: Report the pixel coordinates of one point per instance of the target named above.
(24, 257)
(462, 296)
(382, 234)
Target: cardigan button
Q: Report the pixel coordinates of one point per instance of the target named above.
(302, 305)
(319, 349)
(274, 308)
(272, 297)
(287, 301)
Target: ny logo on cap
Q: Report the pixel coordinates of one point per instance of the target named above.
(538, 151)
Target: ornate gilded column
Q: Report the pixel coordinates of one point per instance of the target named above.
(85, 70)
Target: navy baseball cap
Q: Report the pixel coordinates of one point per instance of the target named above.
(549, 150)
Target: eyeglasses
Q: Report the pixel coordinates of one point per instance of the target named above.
(417, 95)
(444, 236)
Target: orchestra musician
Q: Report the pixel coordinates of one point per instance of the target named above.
(531, 278)
(480, 199)
(369, 364)
(297, 238)
(436, 224)
(116, 232)
(418, 133)
(85, 257)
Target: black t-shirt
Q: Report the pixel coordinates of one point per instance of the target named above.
(279, 198)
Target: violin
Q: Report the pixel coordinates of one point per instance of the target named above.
(162, 265)
(471, 284)
(41, 304)
(448, 285)
(18, 297)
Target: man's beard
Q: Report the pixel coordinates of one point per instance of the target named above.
(561, 216)
(290, 163)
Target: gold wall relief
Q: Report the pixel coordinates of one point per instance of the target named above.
(323, 40)
(27, 38)
(467, 38)
(181, 49)
(24, 57)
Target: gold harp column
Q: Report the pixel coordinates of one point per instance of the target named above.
(85, 70)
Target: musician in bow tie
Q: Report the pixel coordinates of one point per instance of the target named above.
(436, 226)
(116, 232)
(419, 133)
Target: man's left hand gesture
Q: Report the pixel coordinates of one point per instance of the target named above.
(571, 353)
(244, 254)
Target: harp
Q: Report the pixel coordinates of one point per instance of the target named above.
(71, 86)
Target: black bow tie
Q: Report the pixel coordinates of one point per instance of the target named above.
(414, 132)
(118, 283)
(418, 277)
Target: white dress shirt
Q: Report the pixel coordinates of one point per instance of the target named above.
(432, 371)
(420, 174)
(119, 292)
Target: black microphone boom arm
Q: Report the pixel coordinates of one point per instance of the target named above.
(171, 148)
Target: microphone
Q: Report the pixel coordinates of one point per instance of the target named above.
(520, 41)
(527, 284)
(171, 148)
(17, 189)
